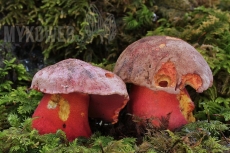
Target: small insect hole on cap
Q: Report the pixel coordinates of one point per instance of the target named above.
(163, 84)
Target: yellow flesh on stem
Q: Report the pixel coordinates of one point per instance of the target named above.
(186, 106)
(64, 107)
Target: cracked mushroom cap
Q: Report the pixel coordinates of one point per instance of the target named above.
(164, 63)
(73, 75)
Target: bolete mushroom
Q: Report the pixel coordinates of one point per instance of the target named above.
(159, 67)
(70, 87)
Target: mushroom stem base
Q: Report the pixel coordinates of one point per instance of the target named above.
(66, 112)
(177, 108)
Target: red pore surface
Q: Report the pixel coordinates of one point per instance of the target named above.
(73, 75)
(107, 108)
(164, 63)
(147, 103)
(67, 112)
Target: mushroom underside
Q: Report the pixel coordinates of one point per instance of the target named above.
(67, 112)
(107, 107)
(147, 103)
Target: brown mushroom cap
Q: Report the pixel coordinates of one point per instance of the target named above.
(164, 63)
(73, 75)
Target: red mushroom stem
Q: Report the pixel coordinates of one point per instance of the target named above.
(147, 103)
(67, 112)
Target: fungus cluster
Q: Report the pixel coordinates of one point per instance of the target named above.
(159, 67)
(73, 91)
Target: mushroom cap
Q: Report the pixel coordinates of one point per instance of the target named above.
(164, 63)
(73, 75)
